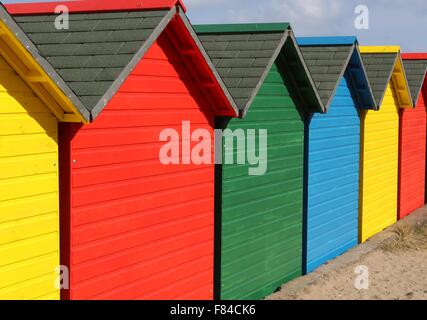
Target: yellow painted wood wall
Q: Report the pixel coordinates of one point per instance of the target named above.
(29, 204)
(379, 165)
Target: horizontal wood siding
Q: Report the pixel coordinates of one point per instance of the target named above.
(412, 158)
(140, 229)
(29, 204)
(262, 215)
(333, 180)
(379, 180)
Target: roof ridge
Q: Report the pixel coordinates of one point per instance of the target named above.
(242, 28)
(380, 49)
(414, 56)
(43, 7)
(321, 41)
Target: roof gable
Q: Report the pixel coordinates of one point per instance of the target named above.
(329, 59)
(243, 54)
(416, 70)
(100, 49)
(384, 66)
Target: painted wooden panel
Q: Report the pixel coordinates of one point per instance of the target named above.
(412, 157)
(140, 229)
(379, 167)
(262, 215)
(333, 180)
(29, 203)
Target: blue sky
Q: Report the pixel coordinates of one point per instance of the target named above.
(392, 22)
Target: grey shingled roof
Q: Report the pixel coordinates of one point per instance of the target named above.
(415, 72)
(379, 68)
(327, 65)
(96, 49)
(241, 59)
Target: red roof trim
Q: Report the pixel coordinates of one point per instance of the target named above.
(91, 6)
(414, 56)
(221, 105)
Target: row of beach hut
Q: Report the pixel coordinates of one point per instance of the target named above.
(89, 211)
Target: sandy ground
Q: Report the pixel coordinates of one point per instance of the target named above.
(396, 262)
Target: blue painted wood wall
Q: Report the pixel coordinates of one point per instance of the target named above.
(333, 153)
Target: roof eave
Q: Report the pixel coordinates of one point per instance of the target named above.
(409, 103)
(419, 91)
(374, 105)
(320, 107)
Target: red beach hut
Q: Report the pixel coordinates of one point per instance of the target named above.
(412, 164)
(132, 227)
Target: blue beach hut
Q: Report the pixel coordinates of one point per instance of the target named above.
(332, 149)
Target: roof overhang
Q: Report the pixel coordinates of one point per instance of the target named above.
(24, 58)
(92, 6)
(360, 80)
(317, 104)
(397, 78)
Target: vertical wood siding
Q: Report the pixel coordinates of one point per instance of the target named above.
(29, 213)
(262, 215)
(140, 229)
(412, 158)
(333, 180)
(379, 167)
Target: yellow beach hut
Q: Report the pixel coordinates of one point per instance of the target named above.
(31, 106)
(380, 139)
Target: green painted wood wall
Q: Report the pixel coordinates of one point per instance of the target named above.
(261, 229)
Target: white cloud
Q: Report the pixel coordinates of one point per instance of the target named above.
(203, 3)
(391, 21)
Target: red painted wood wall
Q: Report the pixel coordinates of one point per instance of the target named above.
(413, 156)
(139, 229)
